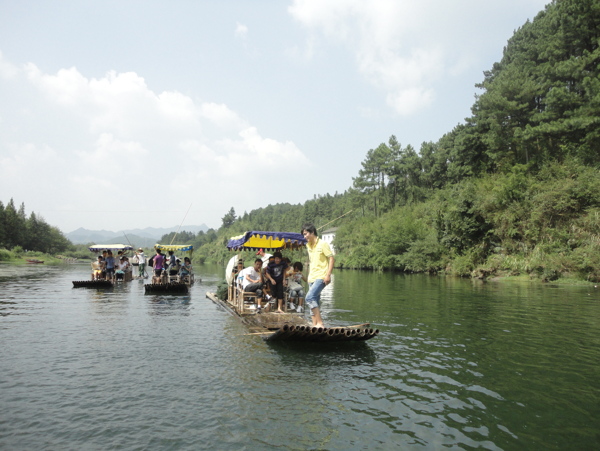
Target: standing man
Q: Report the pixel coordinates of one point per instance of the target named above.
(141, 263)
(110, 266)
(276, 274)
(158, 266)
(264, 257)
(321, 266)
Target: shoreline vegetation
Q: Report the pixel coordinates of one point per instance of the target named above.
(20, 257)
(512, 193)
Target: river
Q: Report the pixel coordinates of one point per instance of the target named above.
(458, 364)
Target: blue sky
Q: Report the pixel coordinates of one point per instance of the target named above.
(126, 114)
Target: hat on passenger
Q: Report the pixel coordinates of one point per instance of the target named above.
(260, 251)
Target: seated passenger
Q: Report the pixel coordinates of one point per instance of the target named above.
(98, 268)
(295, 286)
(128, 269)
(186, 268)
(122, 268)
(173, 267)
(104, 256)
(239, 268)
(251, 279)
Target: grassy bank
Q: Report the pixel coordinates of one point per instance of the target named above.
(19, 256)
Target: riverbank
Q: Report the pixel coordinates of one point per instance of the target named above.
(496, 277)
(28, 258)
(563, 281)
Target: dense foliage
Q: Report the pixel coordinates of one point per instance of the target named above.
(29, 233)
(513, 190)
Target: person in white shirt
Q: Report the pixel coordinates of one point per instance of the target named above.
(141, 258)
(264, 257)
(251, 278)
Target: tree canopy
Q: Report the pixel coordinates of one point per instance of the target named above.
(30, 233)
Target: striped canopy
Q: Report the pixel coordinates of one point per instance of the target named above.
(175, 247)
(255, 240)
(109, 247)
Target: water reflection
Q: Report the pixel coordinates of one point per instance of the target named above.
(168, 304)
(324, 355)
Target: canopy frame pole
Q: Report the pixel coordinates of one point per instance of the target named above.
(186, 213)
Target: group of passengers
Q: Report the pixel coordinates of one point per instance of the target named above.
(277, 277)
(272, 280)
(109, 267)
(166, 267)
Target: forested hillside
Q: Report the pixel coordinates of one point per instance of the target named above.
(30, 233)
(515, 189)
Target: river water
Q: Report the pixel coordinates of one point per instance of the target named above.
(458, 364)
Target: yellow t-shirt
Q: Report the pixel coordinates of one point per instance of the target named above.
(319, 260)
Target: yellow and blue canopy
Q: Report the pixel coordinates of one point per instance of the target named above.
(255, 240)
(175, 247)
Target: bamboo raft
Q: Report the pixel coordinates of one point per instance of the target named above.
(92, 284)
(166, 288)
(322, 334)
(274, 327)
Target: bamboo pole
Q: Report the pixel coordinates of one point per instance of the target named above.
(335, 219)
(186, 213)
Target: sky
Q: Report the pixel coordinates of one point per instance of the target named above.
(117, 115)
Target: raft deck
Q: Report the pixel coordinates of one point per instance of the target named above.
(293, 327)
(92, 284)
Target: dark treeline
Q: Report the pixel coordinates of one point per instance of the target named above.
(515, 189)
(30, 233)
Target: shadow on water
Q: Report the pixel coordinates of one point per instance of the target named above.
(324, 354)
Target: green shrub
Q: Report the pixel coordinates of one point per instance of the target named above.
(425, 255)
(462, 266)
(6, 255)
(17, 251)
(222, 289)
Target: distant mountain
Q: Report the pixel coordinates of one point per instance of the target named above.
(138, 237)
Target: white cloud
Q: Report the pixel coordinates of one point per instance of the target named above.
(241, 31)
(108, 149)
(220, 115)
(138, 147)
(402, 47)
(18, 160)
(379, 33)
(7, 70)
